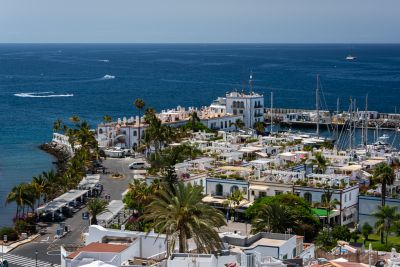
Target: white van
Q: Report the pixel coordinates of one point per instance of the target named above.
(137, 165)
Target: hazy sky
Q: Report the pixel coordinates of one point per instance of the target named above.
(266, 21)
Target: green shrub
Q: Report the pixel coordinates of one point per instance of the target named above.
(12, 235)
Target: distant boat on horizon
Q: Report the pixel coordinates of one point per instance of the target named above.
(350, 57)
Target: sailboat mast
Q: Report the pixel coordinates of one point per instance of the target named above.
(272, 114)
(337, 116)
(350, 125)
(366, 121)
(317, 104)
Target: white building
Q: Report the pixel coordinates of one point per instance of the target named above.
(124, 132)
(280, 246)
(347, 198)
(250, 106)
(116, 247)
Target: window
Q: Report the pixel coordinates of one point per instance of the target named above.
(252, 192)
(100, 131)
(284, 257)
(234, 188)
(226, 124)
(235, 112)
(218, 189)
(241, 111)
(262, 194)
(323, 198)
(308, 197)
(134, 133)
(294, 253)
(278, 192)
(222, 125)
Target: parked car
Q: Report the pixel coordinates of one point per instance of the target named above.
(48, 217)
(137, 165)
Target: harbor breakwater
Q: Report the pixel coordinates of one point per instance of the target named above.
(60, 152)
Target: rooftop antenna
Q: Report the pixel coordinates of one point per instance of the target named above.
(251, 82)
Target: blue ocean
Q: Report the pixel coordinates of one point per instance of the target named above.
(40, 83)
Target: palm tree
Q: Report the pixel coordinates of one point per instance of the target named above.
(57, 125)
(384, 175)
(194, 119)
(96, 207)
(139, 104)
(181, 215)
(329, 203)
(107, 119)
(75, 119)
(386, 218)
(274, 217)
(321, 162)
(40, 186)
(21, 195)
(51, 180)
(139, 196)
(259, 127)
(239, 124)
(234, 200)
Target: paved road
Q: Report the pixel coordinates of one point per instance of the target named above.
(49, 249)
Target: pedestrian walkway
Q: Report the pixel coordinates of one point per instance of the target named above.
(16, 260)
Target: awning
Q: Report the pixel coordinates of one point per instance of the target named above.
(262, 154)
(258, 187)
(115, 207)
(210, 199)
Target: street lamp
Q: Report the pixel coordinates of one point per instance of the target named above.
(2, 246)
(36, 253)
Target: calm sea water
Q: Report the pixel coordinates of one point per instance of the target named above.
(37, 81)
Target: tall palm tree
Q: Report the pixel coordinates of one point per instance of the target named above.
(96, 207)
(329, 203)
(321, 162)
(39, 185)
(274, 217)
(234, 199)
(21, 195)
(386, 218)
(384, 175)
(139, 104)
(194, 119)
(181, 215)
(51, 179)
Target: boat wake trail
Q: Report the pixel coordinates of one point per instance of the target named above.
(42, 94)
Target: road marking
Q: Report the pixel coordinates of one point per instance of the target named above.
(25, 261)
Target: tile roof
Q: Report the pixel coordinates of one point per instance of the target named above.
(98, 247)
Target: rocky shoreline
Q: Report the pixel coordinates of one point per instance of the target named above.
(60, 152)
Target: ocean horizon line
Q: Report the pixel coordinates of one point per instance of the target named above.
(199, 43)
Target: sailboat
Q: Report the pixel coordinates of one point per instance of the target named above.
(350, 57)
